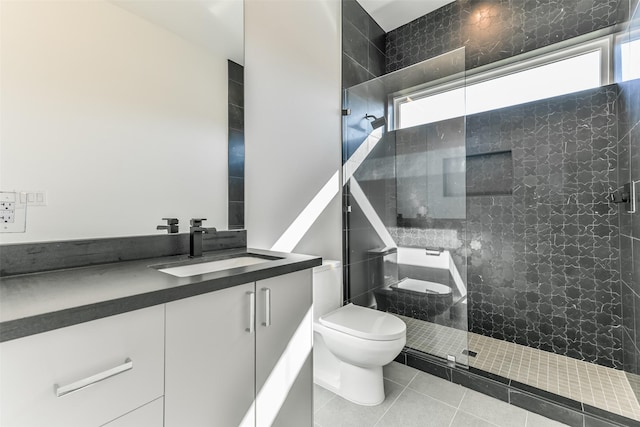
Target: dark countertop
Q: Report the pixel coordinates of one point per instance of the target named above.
(39, 302)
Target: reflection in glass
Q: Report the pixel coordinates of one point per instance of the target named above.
(405, 193)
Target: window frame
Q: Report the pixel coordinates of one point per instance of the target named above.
(600, 41)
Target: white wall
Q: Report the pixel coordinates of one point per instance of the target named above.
(292, 122)
(120, 121)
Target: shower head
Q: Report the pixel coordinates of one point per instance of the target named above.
(376, 122)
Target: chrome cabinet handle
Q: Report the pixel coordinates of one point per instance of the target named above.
(267, 307)
(86, 382)
(252, 311)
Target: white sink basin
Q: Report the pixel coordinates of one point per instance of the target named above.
(212, 266)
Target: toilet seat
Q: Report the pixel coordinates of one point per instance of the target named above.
(364, 323)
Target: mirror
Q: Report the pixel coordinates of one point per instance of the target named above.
(118, 112)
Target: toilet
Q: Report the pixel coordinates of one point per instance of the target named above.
(351, 343)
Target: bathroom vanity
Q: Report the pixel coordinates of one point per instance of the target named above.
(128, 344)
(218, 344)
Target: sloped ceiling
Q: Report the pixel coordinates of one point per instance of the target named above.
(216, 25)
(391, 14)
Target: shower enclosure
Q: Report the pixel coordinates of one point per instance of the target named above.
(405, 213)
(501, 236)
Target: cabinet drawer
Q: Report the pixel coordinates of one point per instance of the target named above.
(122, 356)
(150, 415)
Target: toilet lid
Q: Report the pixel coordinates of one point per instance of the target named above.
(365, 323)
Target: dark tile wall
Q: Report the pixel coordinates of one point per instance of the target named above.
(542, 259)
(363, 260)
(363, 58)
(236, 146)
(543, 262)
(629, 171)
(376, 178)
(363, 45)
(494, 30)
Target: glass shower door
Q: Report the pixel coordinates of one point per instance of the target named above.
(404, 204)
(430, 233)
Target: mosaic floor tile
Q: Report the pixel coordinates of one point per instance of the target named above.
(598, 386)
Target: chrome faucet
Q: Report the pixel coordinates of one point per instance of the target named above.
(195, 236)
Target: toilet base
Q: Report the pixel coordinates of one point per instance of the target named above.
(358, 385)
(362, 386)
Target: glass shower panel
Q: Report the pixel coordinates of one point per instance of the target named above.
(627, 72)
(404, 203)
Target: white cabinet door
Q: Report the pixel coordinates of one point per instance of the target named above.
(210, 360)
(150, 415)
(284, 373)
(120, 357)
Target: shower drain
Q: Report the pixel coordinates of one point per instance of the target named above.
(469, 353)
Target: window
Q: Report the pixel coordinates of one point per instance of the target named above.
(630, 60)
(569, 70)
(431, 108)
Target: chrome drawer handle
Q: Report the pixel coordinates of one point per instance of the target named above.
(86, 382)
(252, 311)
(267, 307)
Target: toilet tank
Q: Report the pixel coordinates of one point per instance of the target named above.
(327, 288)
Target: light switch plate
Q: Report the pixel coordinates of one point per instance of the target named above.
(33, 197)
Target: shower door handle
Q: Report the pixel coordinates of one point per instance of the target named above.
(635, 195)
(627, 196)
(267, 307)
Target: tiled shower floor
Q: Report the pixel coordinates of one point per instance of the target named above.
(595, 385)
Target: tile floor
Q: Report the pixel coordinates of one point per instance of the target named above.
(598, 386)
(418, 399)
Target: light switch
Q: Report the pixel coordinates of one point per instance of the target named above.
(33, 197)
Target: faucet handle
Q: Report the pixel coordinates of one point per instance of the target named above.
(171, 227)
(197, 222)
